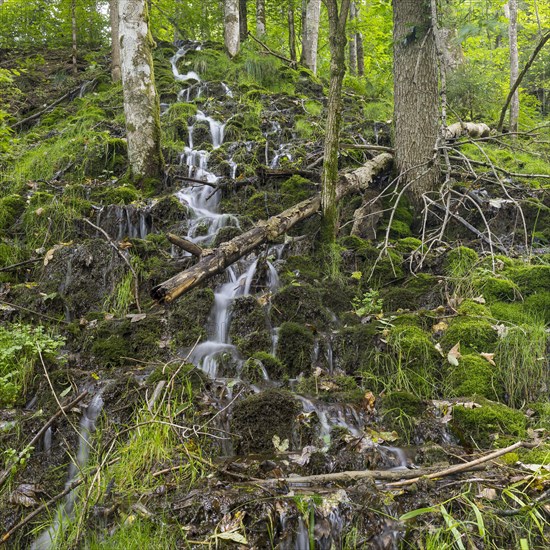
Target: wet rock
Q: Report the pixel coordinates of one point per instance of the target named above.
(248, 329)
(295, 348)
(188, 316)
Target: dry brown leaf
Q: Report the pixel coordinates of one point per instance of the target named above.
(454, 355)
(123, 245)
(489, 357)
(39, 211)
(479, 300)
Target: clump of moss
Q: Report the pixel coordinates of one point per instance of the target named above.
(409, 244)
(414, 346)
(260, 417)
(299, 303)
(189, 316)
(512, 312)
(11, 207)
(540, 455)
(175, 120)
(460, 261)
(476, 425)
(124, 194)
(248, 329)
(301, 268)
(474, 309)
(331, 388)
(401, 411)
(496, 288)
(168, 212)
(252, 369)
(473, 334)
(353, 346)
(262, 205)
(295, 190)
(474, 375)
(397, 298)
(538, 305)
(294, 347)
(531, 278)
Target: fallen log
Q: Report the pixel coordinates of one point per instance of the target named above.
(184, 244)
(265, 231)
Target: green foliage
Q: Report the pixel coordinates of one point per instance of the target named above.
(474, 375)
(20, 350)
(460, 261)
(369, 304)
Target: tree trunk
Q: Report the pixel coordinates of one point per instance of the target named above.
(73, 28)
(337, 43)
(514, 62)
(416, 106)
(141, 103)
(231, 27)
(243, 20)
(291, 31)
(115, 42)
(360, 55)
(310, 34)
(260, 18)
(352, 41)
(265, 231)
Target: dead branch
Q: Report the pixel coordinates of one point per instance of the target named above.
(367, 147)
(498, 169)
(264, 231)
(540, 45)
(195, 180)
(292, 63)
(186, 245)
(62, 411)
(20, 264)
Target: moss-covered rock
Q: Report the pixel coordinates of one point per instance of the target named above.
(473, 334)
(168, 213)
(401, 411)
(475, 426)
(538, 305)
(260, 417)
(299, 303)
(295, 347)
(188, 316)
(460, 261)
(301, 268)
(474, 375)
(123, 194)
(339, 389)
(354, 346)
(248, 330)
(472, 308)
(11, 207)
(531, 278)
(496, 288)
(260, 361)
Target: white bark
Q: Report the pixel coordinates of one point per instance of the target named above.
(310, 34)
(231, 27)
(141, 104)
(115, 43)
(514, 62)
(260, 18)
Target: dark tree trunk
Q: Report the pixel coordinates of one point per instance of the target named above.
(337, 44)
(115, 42)
(243, 24)
(291, 31)
(416, 106)
(360, 55)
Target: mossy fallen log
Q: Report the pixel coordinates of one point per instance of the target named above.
(264, 231)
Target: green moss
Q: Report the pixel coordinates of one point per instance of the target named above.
(399, 229)
(477, 425)
(339, 389)
(414, 345)
(531, 279)
(474, 375)
(260, 417)
(538, 306)
(496, 288)
(252, 368)
(474, 334)
(397, 298)
(295, 190)
(124, 194)
(248, 330)
(353, 347)
(514, 312)
(460, 261)
(294, 347)
(400, 411)
(378, 269)
(11, 207)
(301, 268)
(175, 120)
(409, 244)
(168, 212)
(262, 205)
(300, 303)
(188, 316)
(474, 309)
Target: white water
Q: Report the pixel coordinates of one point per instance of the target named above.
(64, 513)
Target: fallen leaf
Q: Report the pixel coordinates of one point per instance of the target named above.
(502, 330)
(489, 357)
(439, 349)
(479, 300)
(235, 536)
(454, 355)
(25, 495)
(49, 256)
(440, 327)
(488, 493)
(123, 245)
(39, 211)
(368, 402)
(280, 446)
(135, 317)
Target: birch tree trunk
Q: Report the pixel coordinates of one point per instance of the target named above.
(115, 42)
(260, 18)
(514, 62)
(141, 103)
(416, 97)
(337, 43)
(231, 27)
(352, 41)
(310, 34)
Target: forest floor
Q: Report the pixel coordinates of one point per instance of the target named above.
(308, 398)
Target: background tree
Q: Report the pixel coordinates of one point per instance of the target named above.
(115, 42)
(416, 108)
(260, 18)
(141, 104)
(310, 33)
(231, 27)
(514, 62)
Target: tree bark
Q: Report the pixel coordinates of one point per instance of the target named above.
(243, 20)
(360, 53)
(231, 27)
(141, 102)
(352, 41)
(310, 35)
(73, 28)
(291, 31)
(337, 43)
(115, 42)
(260, 18)
(264, 231)
(416, 106)
(514, 63)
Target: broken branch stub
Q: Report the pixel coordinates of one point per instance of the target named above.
(264, 231)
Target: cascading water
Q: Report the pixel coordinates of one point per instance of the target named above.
(65, 511)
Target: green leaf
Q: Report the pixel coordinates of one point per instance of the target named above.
(417, 512)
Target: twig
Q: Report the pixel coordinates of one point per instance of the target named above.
(293, 64)
(17, 306)
(20, 264)
(39, 434)
(458, 468)
(367, 147)
(498, 169)
(126, 261)
(195, 180)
